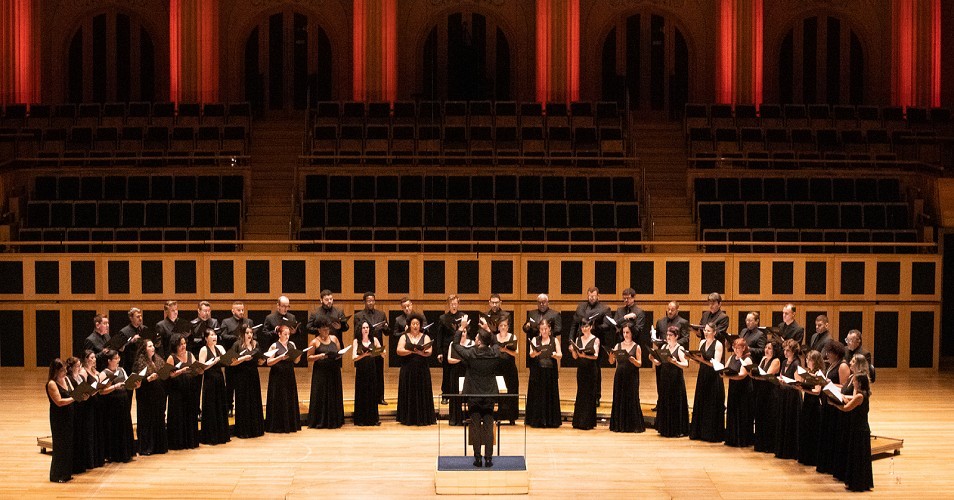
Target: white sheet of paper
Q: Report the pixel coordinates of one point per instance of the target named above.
(785, 379)
(717, 366)
(501, 384)
(834, 390)
(346, 349)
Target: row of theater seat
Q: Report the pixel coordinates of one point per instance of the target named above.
(469, 113)
(130, 139)
(847, 189)
(441, 239)
(72, 240)
(780, 215)
(118, 114)
(548, 186)
(470, 214)
(138, 187)
(816, 116)
(153, 214)
(767, 240)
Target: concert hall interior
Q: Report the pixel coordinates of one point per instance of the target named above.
(686, 234)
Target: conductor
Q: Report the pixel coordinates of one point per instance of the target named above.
(480, 378)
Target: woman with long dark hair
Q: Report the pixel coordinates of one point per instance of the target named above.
(789, 403)
(249, 420)
(120, 446)
(708, 404)
(92, 433)
(61, 422)
(810, 418)
(672, 408)
(830, 423)
(543, 388)
(150, 403)
(766, 397)
(215, 399)
(365, 375)
(585, 350)
(182, 387)
(627, 415)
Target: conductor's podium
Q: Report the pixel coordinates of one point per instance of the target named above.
(456, 475)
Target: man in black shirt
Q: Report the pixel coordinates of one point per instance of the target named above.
(199, 325)
(853, 346)
(716, 315)
(267, 334)
(333, 315)
(378, 323)
(400, 323)
(629, 311)
(672, 318)
(753, 336)
(495, 313)
(481, 378)
(789, 328)
(234, 327)
(543, 311)
(447, 327)
(166, 327)
(822, 336)
(97, 340)
(133, 333)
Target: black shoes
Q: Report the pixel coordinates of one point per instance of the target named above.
(477, 462)
(382, 402)
(488, 461)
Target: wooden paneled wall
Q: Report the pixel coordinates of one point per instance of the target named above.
(47, 301)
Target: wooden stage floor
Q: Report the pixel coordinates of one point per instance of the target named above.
(393, 461)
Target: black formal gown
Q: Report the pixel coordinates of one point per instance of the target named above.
(120, 446)
(508, 408)
(584, 408)
(326, 407)
(789, 413)
(840, 460)
(249, 420)
(809, 429)
(365, 388)
(766, 411)
(282, 414)
(739, 423)
(61, 427)
(830, 425)
(182, 424)
(151, 418)
(84, 432)
(415, 395)
(99, 428)
(215, 407)
(857, 453)
(708, 404)
(672, 407)
(627, 415)
(543, 392)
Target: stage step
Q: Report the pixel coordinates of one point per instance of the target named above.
(457, 475)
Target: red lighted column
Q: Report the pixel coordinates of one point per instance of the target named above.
(558, 50)
(19, 71)
(375, 50)
(916, 51)
(194, 50)
(739, 69)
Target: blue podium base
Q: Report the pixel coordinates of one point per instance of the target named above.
(456, 475)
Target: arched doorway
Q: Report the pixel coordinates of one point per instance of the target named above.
(111, 57)
(287, 60)
(821, 60)
(645, 62)
(466, 57)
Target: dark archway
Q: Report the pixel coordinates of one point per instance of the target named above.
(821, 60)
(653, 73)
(466, 58)
(287, 62)
(111, 57)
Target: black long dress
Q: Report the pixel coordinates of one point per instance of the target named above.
(61, 427)
(789, 411)
(415, 395)
(249, 420)
(840, 460)
(708, 404)
(326, 408)
(215, 407)
(508, 408)
(100, 425)
(543, 391)
(809, 429)
(182, 424)
(627, 415)
(584, 408)
(738, 408)
(365, 388)
(151, 417)
(84, 432)
(829, 426)
(120, 446)
(281, 408)
(766, 411)
(672, 407)
(858, 475)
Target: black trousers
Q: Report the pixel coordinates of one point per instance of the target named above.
(482, 428)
